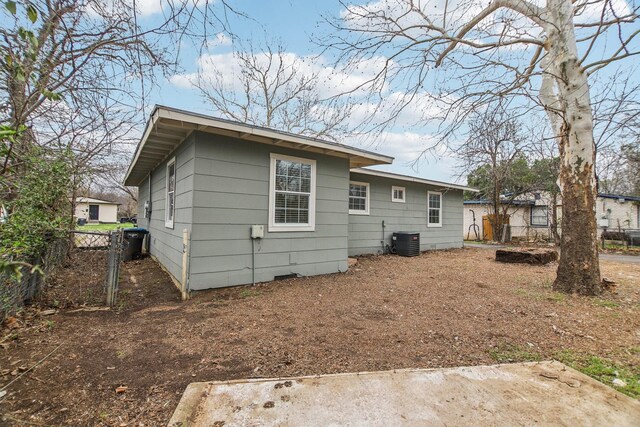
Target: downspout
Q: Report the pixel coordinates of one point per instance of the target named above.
(382, 240)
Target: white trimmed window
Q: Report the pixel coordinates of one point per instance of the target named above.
(539, 216)
(358, 198)
(434, 209)
(397, 194)
(292, 194)
(170, 206)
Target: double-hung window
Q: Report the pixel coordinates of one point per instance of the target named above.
(358, 198)
(292, 193)
(170, 206)
(434, 209)
(539, 216)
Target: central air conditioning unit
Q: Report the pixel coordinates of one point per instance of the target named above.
(406, 244)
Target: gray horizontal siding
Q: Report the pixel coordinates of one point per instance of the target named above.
(166, 243)
(231, 192)
(365, 231)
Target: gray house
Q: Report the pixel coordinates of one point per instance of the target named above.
(207, 185)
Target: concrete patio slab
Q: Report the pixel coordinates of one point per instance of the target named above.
(545, 393)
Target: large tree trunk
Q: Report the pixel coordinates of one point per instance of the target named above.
(554, 218)
(578, 270)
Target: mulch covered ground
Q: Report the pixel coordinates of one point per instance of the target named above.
(441, 309)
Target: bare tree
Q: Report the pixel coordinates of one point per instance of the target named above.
(543, 54)
(75, 75)
(272, 88)
(494, 159)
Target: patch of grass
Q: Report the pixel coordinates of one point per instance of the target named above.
(604, 370)
(49, 324)
(104, 227)
(248, 293)
(605, 303)
(557, 297)
(509, 353)
(522, 292)
(121, 299)
(549, 296)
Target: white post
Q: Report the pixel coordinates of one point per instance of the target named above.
(185, 264)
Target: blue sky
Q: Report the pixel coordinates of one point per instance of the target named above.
(294, 23)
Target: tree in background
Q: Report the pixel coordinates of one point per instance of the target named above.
(466, 54)
(617, 129)
(494, 157)
(270, 87)
(75, 74)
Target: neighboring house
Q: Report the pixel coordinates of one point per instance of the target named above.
(210, 180)
(530, 217)
(615, 211)
(96, 210)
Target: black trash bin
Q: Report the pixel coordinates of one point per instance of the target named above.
(133, 238)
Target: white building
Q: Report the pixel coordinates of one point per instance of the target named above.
(530, 217)
(96, 210)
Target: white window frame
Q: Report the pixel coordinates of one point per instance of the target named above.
(168, 222)
(366, 199)
(546, 224)
(276, 227)
(404, 194)
(429, 193)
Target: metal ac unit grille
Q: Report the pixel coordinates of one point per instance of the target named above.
(407, 244)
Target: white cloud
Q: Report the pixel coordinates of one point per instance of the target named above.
(330, 82)
(220, 39)
(405, 146)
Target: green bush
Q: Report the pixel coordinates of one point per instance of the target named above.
(39, 207)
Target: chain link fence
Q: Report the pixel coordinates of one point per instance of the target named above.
(16, 288)
(78, 269)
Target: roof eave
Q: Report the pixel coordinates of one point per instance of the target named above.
(407, 178)
(167, 128)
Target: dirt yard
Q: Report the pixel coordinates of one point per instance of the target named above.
(441, 309)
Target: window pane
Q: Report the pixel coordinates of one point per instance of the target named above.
(170, 206)
(357, 204)
(281, 167)
(280, 216)
(357, 190)
(280, 200)
(292, 216)
(304, 202)
(293, 184)
(294, 169)
(281, 183)
(292, 201)
(306, 171)
(539, 215)
(306, 185)
(171, 182)
(304, 216)
(434, 216)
